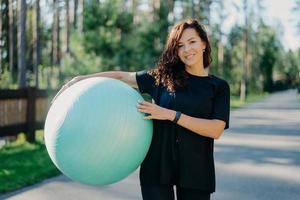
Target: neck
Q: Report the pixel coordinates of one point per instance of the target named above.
(196, 70)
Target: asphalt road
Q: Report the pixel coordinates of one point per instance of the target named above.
(258, 158)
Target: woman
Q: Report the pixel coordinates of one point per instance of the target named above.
(191, 109)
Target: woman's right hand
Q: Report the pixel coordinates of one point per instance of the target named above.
(67, 85)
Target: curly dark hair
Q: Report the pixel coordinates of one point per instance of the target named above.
(170, 70)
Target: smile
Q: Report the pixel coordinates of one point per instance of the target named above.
(189, 56)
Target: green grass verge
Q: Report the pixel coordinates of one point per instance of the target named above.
(235, 101)
(24, 164)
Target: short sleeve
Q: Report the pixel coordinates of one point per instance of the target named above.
(145, 82)
(221, 107)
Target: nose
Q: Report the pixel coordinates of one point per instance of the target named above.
(186, 48)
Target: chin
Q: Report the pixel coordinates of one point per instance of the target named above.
(190, 63)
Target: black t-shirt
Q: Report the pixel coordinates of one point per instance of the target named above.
(178, 155)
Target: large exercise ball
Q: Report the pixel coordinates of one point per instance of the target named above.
(94, 133)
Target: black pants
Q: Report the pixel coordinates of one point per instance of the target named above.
(166, 192)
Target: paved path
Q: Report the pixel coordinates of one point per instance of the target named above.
(258, 158)
(62, 188)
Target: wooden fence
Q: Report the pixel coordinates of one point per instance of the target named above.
(23, 110)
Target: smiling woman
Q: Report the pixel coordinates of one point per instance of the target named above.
(190, 109)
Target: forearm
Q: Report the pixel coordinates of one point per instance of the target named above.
(212, 128)
(108, 74)
(127, 77)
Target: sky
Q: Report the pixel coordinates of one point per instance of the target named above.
(277, 14)
(280, 10)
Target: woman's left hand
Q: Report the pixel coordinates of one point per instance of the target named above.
(155, 111)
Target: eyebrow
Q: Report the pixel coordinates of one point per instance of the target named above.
(188, 39)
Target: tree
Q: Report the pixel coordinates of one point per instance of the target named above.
(233, 58)
(36, 42)
(196, 9)
(244, 81)
(75, 14)
(67, 26)
(3, 38)
(107, 27)
(287, 66)
(220, 38)
(55, 47)
(296, 10)
(11, 44)
(1, 46)
(80, 16)
(134, 5)
(270, 48)
(21, 43)
(256, 20)
(171, 4)
(152, 38)
(204, 11)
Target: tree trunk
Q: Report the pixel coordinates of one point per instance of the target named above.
(220, 42)
(243, 94)
(134, 5)
(185, 9)
(192, 4)
(11, 37)
(208, 4)
(156, 7)
(80, 16)
(36, 42)
(75, 14)
(202, 10)
(220, 57)
(171, 4)
(53, 36)
(55, 50)
(67, 27)
(1, 43)
(58, 49)
(21, 43)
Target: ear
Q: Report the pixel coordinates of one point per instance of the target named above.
(204, 45)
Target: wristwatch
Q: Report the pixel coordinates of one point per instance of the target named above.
(177, 116)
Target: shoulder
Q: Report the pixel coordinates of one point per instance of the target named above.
(219, 83)
(145, 72)
(145, 81)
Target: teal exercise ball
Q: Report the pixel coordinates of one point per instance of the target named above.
(94, 133)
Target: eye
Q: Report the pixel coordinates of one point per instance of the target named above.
(179, 46)
(193, 41)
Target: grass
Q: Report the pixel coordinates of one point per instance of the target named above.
(235, 101)
(24, 164)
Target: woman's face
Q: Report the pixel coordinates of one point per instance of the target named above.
(190, 48)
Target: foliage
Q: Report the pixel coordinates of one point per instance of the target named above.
(107, 27)
(270, 48)
(78, 61)
(233, 58)
(118, 36)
